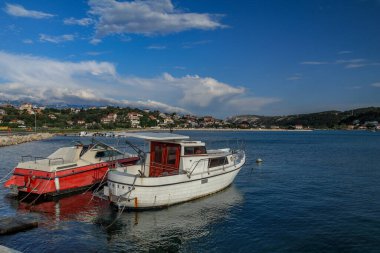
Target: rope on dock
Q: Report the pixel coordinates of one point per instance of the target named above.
(11, 171)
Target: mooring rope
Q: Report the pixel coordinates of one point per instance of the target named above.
(117, 217)
(30, 192)
(100, 184)
(32, 203)
(1, 180)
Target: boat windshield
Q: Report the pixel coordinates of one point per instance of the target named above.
(107, 153)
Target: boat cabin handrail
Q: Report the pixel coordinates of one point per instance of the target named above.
(237, 154)
(40, 158)
(196, 163)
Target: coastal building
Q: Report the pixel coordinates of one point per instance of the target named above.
(134, 118)
(17, 121)
(162, 115)
(28, 107)
(110, 118)
(81, 122)
(3, 112)
(168, 121)
(298, 127)
(74, 110)
(6, 106)
(52, 116)
(371, 123)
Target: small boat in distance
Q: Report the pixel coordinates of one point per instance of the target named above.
(174, 170)
(67, 170)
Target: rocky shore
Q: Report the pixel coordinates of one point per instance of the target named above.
(17, 139)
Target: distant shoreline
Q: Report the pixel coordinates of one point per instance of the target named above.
(235, 130)
(186, 129)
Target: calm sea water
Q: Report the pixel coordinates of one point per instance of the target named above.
(315, 192)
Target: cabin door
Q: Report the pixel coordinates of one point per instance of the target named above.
(164, 159)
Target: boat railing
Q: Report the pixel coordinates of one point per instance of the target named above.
(40, 158)
(203, 162)
(238, 156)
(167, 169)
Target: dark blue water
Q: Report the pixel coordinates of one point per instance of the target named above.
(315, 192)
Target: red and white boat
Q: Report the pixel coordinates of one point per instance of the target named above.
(67, 170)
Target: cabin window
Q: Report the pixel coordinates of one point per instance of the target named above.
(100, 154)
(195, 150)
(219, 161)
(172, 155)
(157, 154)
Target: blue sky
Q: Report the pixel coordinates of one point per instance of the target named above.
(206, 57)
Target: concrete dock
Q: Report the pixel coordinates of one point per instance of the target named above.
(10, 225)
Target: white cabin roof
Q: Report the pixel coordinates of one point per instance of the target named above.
(155, 136)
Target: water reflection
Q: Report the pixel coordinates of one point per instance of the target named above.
(77, 207)
(169, 229)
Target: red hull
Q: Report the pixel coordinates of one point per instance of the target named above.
(64, 181)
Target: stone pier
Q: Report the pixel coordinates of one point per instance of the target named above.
(17, 139)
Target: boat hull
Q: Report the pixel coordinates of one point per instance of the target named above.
(59, 183)
(161, 192)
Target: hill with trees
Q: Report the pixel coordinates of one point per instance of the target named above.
(321, 120)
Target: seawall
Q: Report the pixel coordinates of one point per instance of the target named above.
(17, 139)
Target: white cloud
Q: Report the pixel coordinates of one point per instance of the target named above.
(377, 84)
(356, 87)
(351, 61)
(347, 63)
(251, 104)
(355, 65)
(195, 43)
(148, 17)
(295, 77)
(56, 39)
(27, 41)
(156, 47)
(25, 77)
(345, 52)
(95, 53)
(81, 22)
(314, 62)
(19, 11)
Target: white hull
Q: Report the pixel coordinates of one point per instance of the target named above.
(131, 192)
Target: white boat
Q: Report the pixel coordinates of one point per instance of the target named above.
(173, 170)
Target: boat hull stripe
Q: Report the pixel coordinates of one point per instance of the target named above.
(177, 182)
